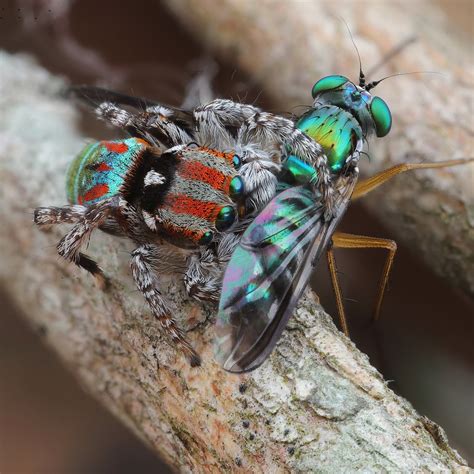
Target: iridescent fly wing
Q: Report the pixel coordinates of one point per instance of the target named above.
(268, 273)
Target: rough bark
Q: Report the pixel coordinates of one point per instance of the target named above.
(287, 45)
(317, 404)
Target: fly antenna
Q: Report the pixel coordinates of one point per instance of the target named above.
(361, 73)
(372, 84)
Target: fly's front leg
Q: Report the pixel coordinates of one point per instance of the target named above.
(86, 219)
(142, 263)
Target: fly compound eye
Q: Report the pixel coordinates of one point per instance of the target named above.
(381, 115)
(206, 238)
(225, 218)
(328, 83)
(236, 188)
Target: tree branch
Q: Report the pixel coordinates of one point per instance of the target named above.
(317, 404)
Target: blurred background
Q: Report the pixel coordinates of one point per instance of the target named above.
(47, 423)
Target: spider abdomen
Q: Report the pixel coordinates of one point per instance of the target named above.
(100, 170)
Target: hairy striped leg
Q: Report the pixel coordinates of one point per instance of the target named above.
(270, 130)
(260, 136)
(86, 219)
(217, 123)
(350, 241)
(203, 276)
(216, 120)
(143, 261)
(156, 122)
(59, 215)
(201, 280)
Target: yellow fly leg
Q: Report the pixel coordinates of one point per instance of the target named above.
(337, 291)
(351, 241)
(366, 186)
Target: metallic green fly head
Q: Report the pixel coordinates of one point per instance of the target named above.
(371, 112)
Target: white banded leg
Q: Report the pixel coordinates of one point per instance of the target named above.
(156, 121)
(86, 220)
(268, 128)
(142, 262)
(203, 276)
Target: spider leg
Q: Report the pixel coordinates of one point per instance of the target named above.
(142, 263)
(217, 122)
(155, 123)
(203, 276)
(273, 130)
(200, 281)
(58, 215)
(86, 219)
(259, 173)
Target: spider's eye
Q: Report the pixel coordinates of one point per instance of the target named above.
(328, 83)
(225, 218)
(381, 115)
(236, 161)
(206, 238)
(236, 188)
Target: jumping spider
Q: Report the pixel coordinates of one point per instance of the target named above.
(188, 179)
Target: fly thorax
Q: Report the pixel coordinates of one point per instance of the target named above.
(336, 130)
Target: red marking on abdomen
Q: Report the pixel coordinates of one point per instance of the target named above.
(199, 172)
(103, 167)
(95, 193)
(181, 204)
(115, 147)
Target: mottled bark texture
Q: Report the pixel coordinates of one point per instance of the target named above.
(317, 404)
(287, 45)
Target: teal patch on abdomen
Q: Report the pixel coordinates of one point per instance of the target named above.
(99, 171)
